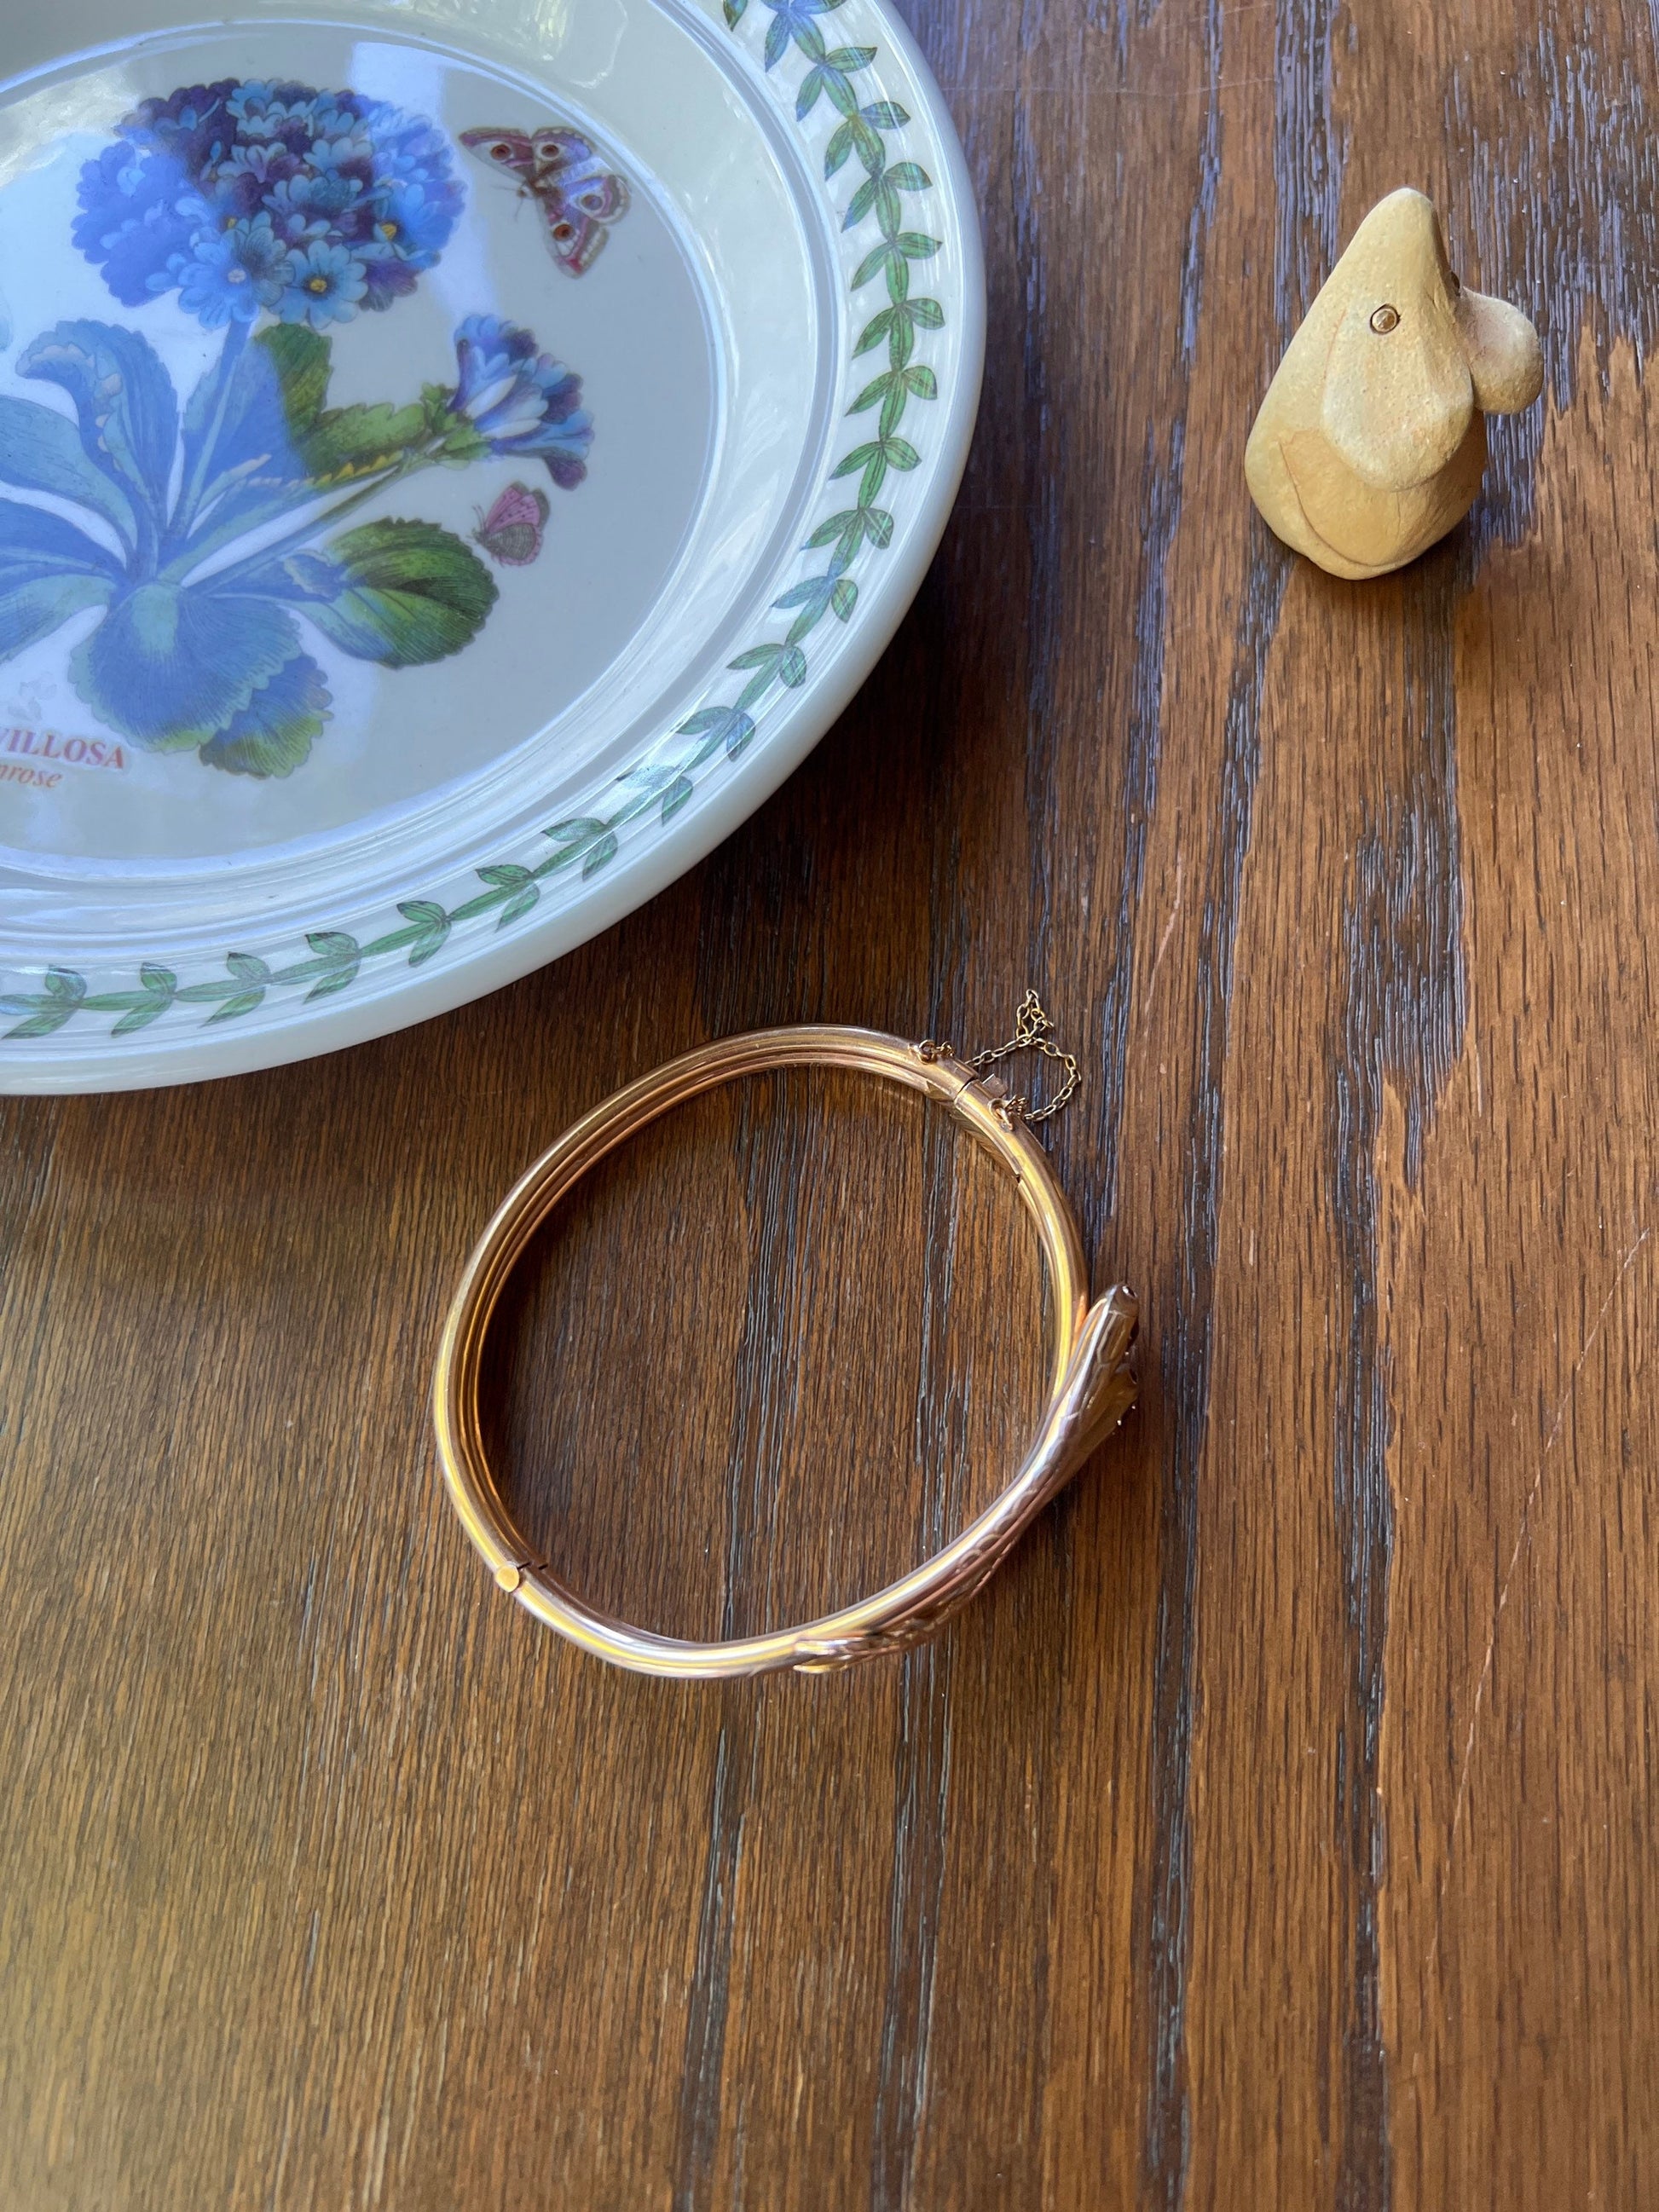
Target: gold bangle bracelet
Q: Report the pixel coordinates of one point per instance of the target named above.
(1091, 1385)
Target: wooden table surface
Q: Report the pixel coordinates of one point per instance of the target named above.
(1278, 1830)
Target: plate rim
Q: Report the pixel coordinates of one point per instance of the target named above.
(623, 877)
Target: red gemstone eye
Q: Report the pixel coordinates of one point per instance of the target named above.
(502, 151)
(564, 230)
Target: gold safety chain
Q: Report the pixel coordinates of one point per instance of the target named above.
(1033, 1032)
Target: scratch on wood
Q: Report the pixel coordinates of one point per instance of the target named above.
(1163, 947)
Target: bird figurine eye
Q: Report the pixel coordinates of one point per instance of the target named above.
(1384, 319)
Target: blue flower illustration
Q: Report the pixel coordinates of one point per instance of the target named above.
(410, 221)
(207, 531)
(234, 273)
(326, 283)
(519, 401)
(368, 183)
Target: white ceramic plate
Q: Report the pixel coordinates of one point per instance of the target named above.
(456, 457)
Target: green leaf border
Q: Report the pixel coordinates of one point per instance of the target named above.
(665, 780)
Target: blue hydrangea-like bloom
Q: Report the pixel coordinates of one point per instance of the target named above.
(235, 273)
(326, 283)
(135, 217)
(522, 401)
(414, 221)
(331, 203)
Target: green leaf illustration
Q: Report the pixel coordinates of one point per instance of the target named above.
(834, 527)
(851, 463)
(338, 980)
(356, 441)
(874, 332)
(238, 992)
(718, 727)
(840, 146)
(303, 362)
(336, 958)
(274, 733)
(430, 927)
(867, 145)
(873, 264)
(512, 878)
(47, 1009)
(862, 202)
(406, 593)
(42, 1024)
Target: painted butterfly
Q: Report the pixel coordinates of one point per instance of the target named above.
(580, 199)
(511, 533)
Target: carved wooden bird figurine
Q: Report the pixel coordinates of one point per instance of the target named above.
(1372, 439)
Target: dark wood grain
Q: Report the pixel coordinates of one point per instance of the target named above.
(1277, 1831)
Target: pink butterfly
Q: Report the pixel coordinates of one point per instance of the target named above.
(580, 199)
(511, 533)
